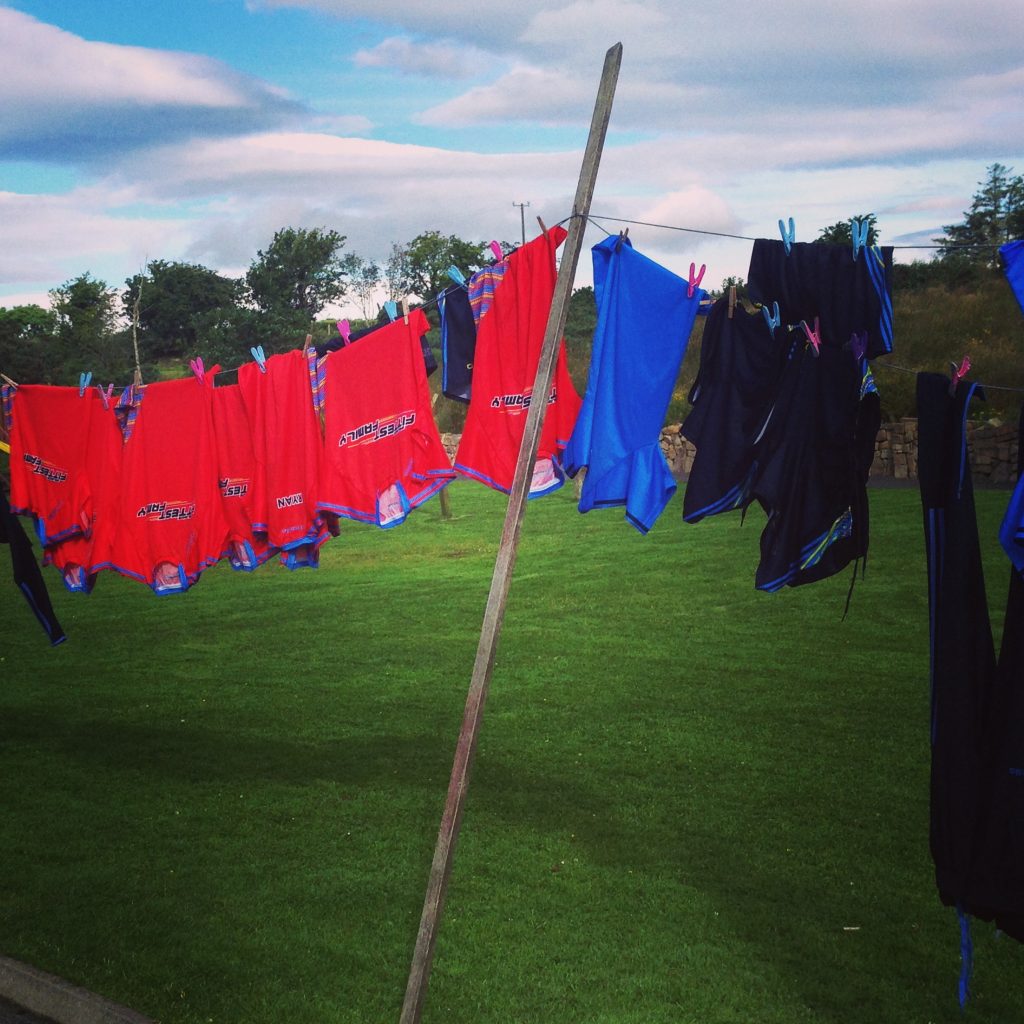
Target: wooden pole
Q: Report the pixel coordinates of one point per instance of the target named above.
(494, 614)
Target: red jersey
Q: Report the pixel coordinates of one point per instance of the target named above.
(79, 558)
(510, 336)
(49, 478)
(382, 452)
(236, 472)
(171, 524)
(287, 446)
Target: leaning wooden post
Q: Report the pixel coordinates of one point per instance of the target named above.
(494, 614)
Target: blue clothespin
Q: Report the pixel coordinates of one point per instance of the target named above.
(391, 308)
(773, 319)
(695, 281)
(859, 231)
(788, 238)
(258, 355)
(456, 275)
(83, 382)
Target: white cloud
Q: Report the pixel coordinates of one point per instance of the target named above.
(67, 98)
(439, 59)
(551, 96)
(52, 238)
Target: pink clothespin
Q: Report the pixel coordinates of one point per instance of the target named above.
(106, 395)
(958, 374)
(695, 281)
(496, 249)
(345, 330)
(197, 368)
(813, 337)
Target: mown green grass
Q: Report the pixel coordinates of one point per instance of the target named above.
(222, 806)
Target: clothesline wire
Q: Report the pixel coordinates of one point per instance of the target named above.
(594, 217)
(906, 369)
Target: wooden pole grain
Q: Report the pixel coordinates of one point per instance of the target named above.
(494, 614)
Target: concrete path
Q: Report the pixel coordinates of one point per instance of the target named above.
(31, 996)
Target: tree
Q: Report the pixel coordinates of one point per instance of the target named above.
(86, 332)
(841, 232)
(179, 302)
(26, 343)
(365, 278)
(996, 216)
(299, 273)
(580, 321)
(420, 267)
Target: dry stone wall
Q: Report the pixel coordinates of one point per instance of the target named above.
(992, 446)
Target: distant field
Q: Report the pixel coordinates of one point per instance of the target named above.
(692, 802)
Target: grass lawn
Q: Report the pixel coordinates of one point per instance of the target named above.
(692, 802)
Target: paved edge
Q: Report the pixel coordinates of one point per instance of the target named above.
(59, 1000)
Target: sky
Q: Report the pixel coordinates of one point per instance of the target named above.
(194, 129)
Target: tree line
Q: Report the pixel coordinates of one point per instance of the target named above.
(174, 311)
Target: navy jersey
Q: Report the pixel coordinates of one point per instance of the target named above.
(963, 660)
(997, 878)
(644, 318)
(815, 279)
(732, 395)
(813, 463)
(458, 343)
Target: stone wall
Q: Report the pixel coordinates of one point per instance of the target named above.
(992, 446)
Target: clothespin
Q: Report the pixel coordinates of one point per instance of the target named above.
(958, 374)
(83, 382)
(543, 226)
(788, 238)
(106, 395)
(307, 343)
(732, 300)
(496, 249)
(859, 344)
(7, 380)
(859, 232)
(345, 330)
(260, 357)
(773, 319)
(623, 235)
(456, 275)
(403, 308)
(695, 281)
(391, 308)
(813, 336)
(198, 369)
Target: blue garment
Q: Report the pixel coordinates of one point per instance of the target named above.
(1012, 256)
(1011, 531)
(644, 319)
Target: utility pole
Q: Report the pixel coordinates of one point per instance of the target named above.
(522, 217)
